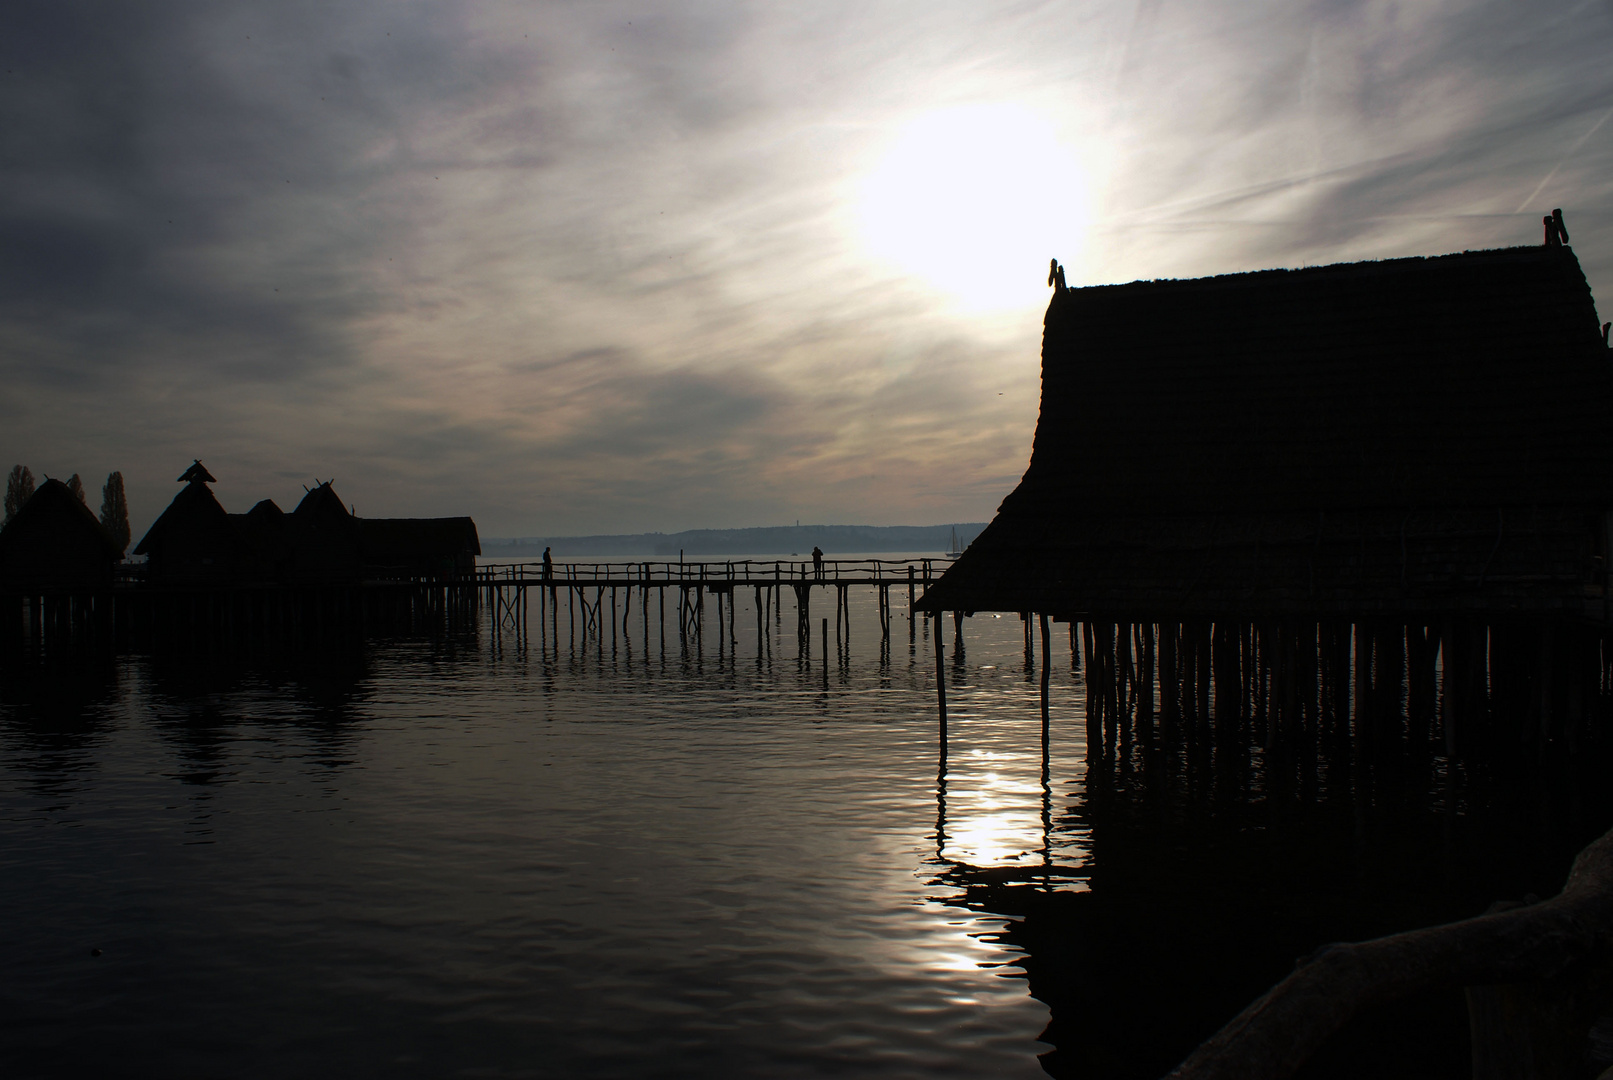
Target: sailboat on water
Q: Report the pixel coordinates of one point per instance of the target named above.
(954, 549)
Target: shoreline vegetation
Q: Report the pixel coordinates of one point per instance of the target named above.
(770, 540)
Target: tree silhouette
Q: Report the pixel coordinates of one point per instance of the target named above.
(115, 512)
(76, 486)
(19, 486)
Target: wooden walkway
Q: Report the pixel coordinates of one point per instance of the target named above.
(586, 585)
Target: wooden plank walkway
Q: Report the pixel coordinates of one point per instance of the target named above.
(507, 586)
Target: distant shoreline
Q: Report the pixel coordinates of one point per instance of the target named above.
(779, 540)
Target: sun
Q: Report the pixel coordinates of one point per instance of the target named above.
(975, 200)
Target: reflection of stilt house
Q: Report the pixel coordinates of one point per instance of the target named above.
(1237, 480)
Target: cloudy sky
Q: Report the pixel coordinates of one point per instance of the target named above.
(586, 267)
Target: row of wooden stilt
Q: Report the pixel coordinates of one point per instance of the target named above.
(598, 609)
(1458, 683)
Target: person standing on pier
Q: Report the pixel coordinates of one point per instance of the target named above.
(548, 566)
(817, 561)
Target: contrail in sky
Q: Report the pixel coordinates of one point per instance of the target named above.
(1541, 186)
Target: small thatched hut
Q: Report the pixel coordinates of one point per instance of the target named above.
(193, 541)
(418, 547)
(324, 540)
(54, 544)
(265, 541)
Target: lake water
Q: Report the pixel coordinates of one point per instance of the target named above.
(468, 857)
(469, 854)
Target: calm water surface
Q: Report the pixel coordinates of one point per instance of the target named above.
(474, 856)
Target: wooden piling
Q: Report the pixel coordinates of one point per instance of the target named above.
(1145, 712)
(1094, 730)
(1047, 665)
(1170, 682)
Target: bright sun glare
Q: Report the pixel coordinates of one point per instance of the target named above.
(975, 200)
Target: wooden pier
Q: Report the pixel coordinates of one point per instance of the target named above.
(594, 588)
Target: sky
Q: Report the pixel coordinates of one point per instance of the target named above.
(603, 267)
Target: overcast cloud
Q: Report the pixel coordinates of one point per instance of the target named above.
(595, 267)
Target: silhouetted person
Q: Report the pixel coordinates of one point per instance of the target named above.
(548, 566)
(817, 560)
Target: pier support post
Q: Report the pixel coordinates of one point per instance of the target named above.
(1046, 665)
(1094, 693)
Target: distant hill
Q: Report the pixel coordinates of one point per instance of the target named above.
(779, 540)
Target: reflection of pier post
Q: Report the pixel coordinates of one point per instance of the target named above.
(842, 616)
(941, 787)
(826, 654)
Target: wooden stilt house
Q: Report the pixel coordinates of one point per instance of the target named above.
(1414, 450)
(419, 547)
(320, 543)
(193, 542)
(55, 544)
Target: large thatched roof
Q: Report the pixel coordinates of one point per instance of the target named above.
(1414, 435)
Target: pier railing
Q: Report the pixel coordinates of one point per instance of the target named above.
(736, 571)
(645, 572)
(508, 584)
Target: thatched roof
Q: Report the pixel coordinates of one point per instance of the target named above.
(195, 512)
(1413, 435)
(419, 545)
(322, 501)
(54, 540)
(263, 536)
(320, 542)
(53, 505)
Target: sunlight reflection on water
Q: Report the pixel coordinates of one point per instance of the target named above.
(482, 855)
